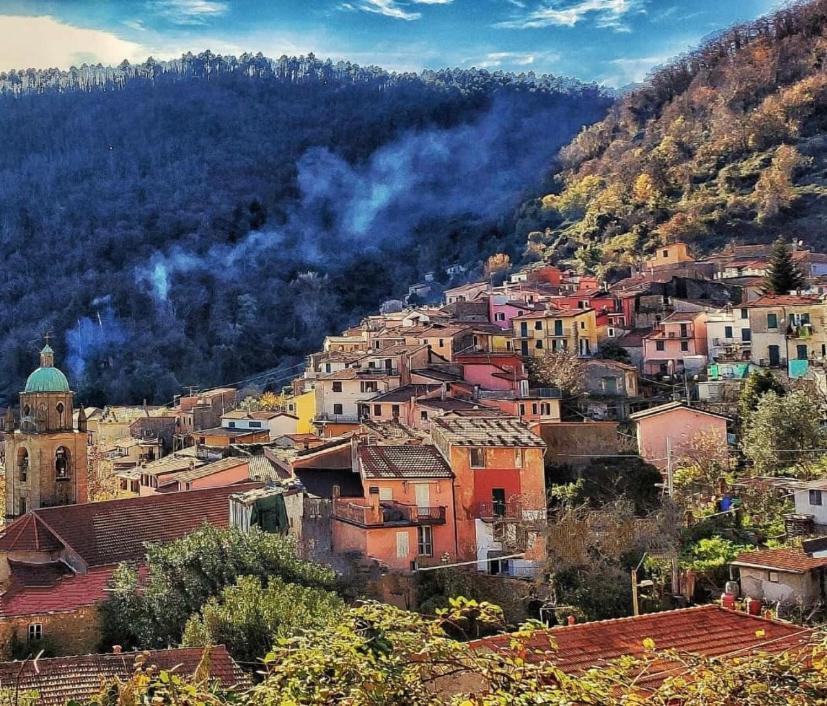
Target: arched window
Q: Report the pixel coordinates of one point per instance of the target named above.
(60, 410)
(62, 463)
(22, 464)
(27, 411)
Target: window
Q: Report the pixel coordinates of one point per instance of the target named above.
(60, 409)
(395, 411)
(538, 344)
(684, 346)
(327, 367)
(684, 330)
(35, 631)
(231, 425)
(402, 545)
(558, 328)
(337, 387)
(255, 425)
(425, 540)
(538, 325)
(369, 386)
(21, 506)
(337, 409)
(534, 408)
(773, 577)
(744, 314)
(499, 316)
(377, 410)
(609, 385)
(62, 463)
(523, 328)
(772, 320)
(423, 415)
(522, 409)
(815, 497)
(727, 331)
(441, 342)
(386, 494)
(23, 465)
(582, 325)
(746, 335)
(611, 333)
(660, 345)
(477, 457)
(665, 253)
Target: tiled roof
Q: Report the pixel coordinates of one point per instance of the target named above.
(435, 374)
(115, 530)
(785, 559)
(171, 464)
(404, 393)
(263, 469)
(552, 314)
(191, 474)
(67, 594)
(708, 630)
(487, 431)
(29, 534)
(783, 300)
(607, 363)
(671, 407)
(403, 462)
(26, 573)
(61, 679)
(452, 404)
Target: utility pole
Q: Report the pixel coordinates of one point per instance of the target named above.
(635, 606)
(670, 489)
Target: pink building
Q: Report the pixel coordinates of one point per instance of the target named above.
(493, 371)
(406, 515)
(502, 308)
(680, 335)
(668, 430)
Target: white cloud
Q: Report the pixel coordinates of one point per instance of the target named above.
(567, 13)
(631, 70)
(511, 58)
(44, 42)
(397, 9)
(189, 12)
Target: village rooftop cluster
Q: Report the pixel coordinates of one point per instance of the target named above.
(416, 440)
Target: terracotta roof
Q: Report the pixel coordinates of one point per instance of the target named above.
(436, 374)
(783, 300)
(171, 464)
(209, 469)
(356, 374)
(441, 331)
(403, 462)
(786, 559)
(707, 630)
(552, 314)
(67, 594)
(115, 530)
(609, 363)
(671, 407)
(404, 393)
(487, 431)
(61, 679)
(29, 534)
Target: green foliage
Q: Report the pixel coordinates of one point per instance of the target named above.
(711, 554)
(757, 384)
(783, 275)
(248, 615)
(610, 349)
(183, 575)
(782, 432)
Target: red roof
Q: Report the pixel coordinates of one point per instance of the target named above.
(68, 594)
(116, 530)
(783, 300)
(61, 679)
(421, 461)
(551, 314)
(29, 533)
(708, 630)
(785, 559)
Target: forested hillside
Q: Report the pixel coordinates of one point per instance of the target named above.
(726, 142)
(197, 221)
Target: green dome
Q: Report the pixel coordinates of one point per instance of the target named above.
(47, 380)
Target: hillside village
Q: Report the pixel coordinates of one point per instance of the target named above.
(441, 438)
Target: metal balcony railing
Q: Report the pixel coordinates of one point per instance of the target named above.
(500, 511)
(390, 514)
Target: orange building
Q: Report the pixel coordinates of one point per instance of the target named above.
(670, 255)
(406, 514)
(499, 491)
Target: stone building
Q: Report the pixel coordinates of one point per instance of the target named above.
(46, 455)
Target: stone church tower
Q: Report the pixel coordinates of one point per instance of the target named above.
(46, 456)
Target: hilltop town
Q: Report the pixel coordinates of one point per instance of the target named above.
(566, 448)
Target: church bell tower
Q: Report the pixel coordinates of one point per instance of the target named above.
(46, 454)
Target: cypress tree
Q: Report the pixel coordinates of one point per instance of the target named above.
(783, 274)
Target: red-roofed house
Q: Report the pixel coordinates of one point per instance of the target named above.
(539, 332)
(55, 562)
(787, 575)
(406, 515)
(58, 680)
(708, 631)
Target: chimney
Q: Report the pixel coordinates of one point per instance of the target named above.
(117, 649)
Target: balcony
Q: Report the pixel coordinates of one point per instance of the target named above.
(800, 331)
(388, 514)
(500, 511)
(326, 418)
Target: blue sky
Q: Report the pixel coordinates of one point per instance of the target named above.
(611, 41)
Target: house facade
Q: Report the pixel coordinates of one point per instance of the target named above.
(555, 330)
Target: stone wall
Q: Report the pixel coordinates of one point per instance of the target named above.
(64, 633)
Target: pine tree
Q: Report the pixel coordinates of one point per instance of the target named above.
(783, 274)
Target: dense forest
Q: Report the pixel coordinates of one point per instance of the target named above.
(199, 221)
(726, 142)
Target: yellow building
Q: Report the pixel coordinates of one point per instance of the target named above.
(304, 407)
(667, 255)
(555, 330)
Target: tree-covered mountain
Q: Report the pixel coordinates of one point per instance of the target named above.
(726, 142)
(196, 221)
